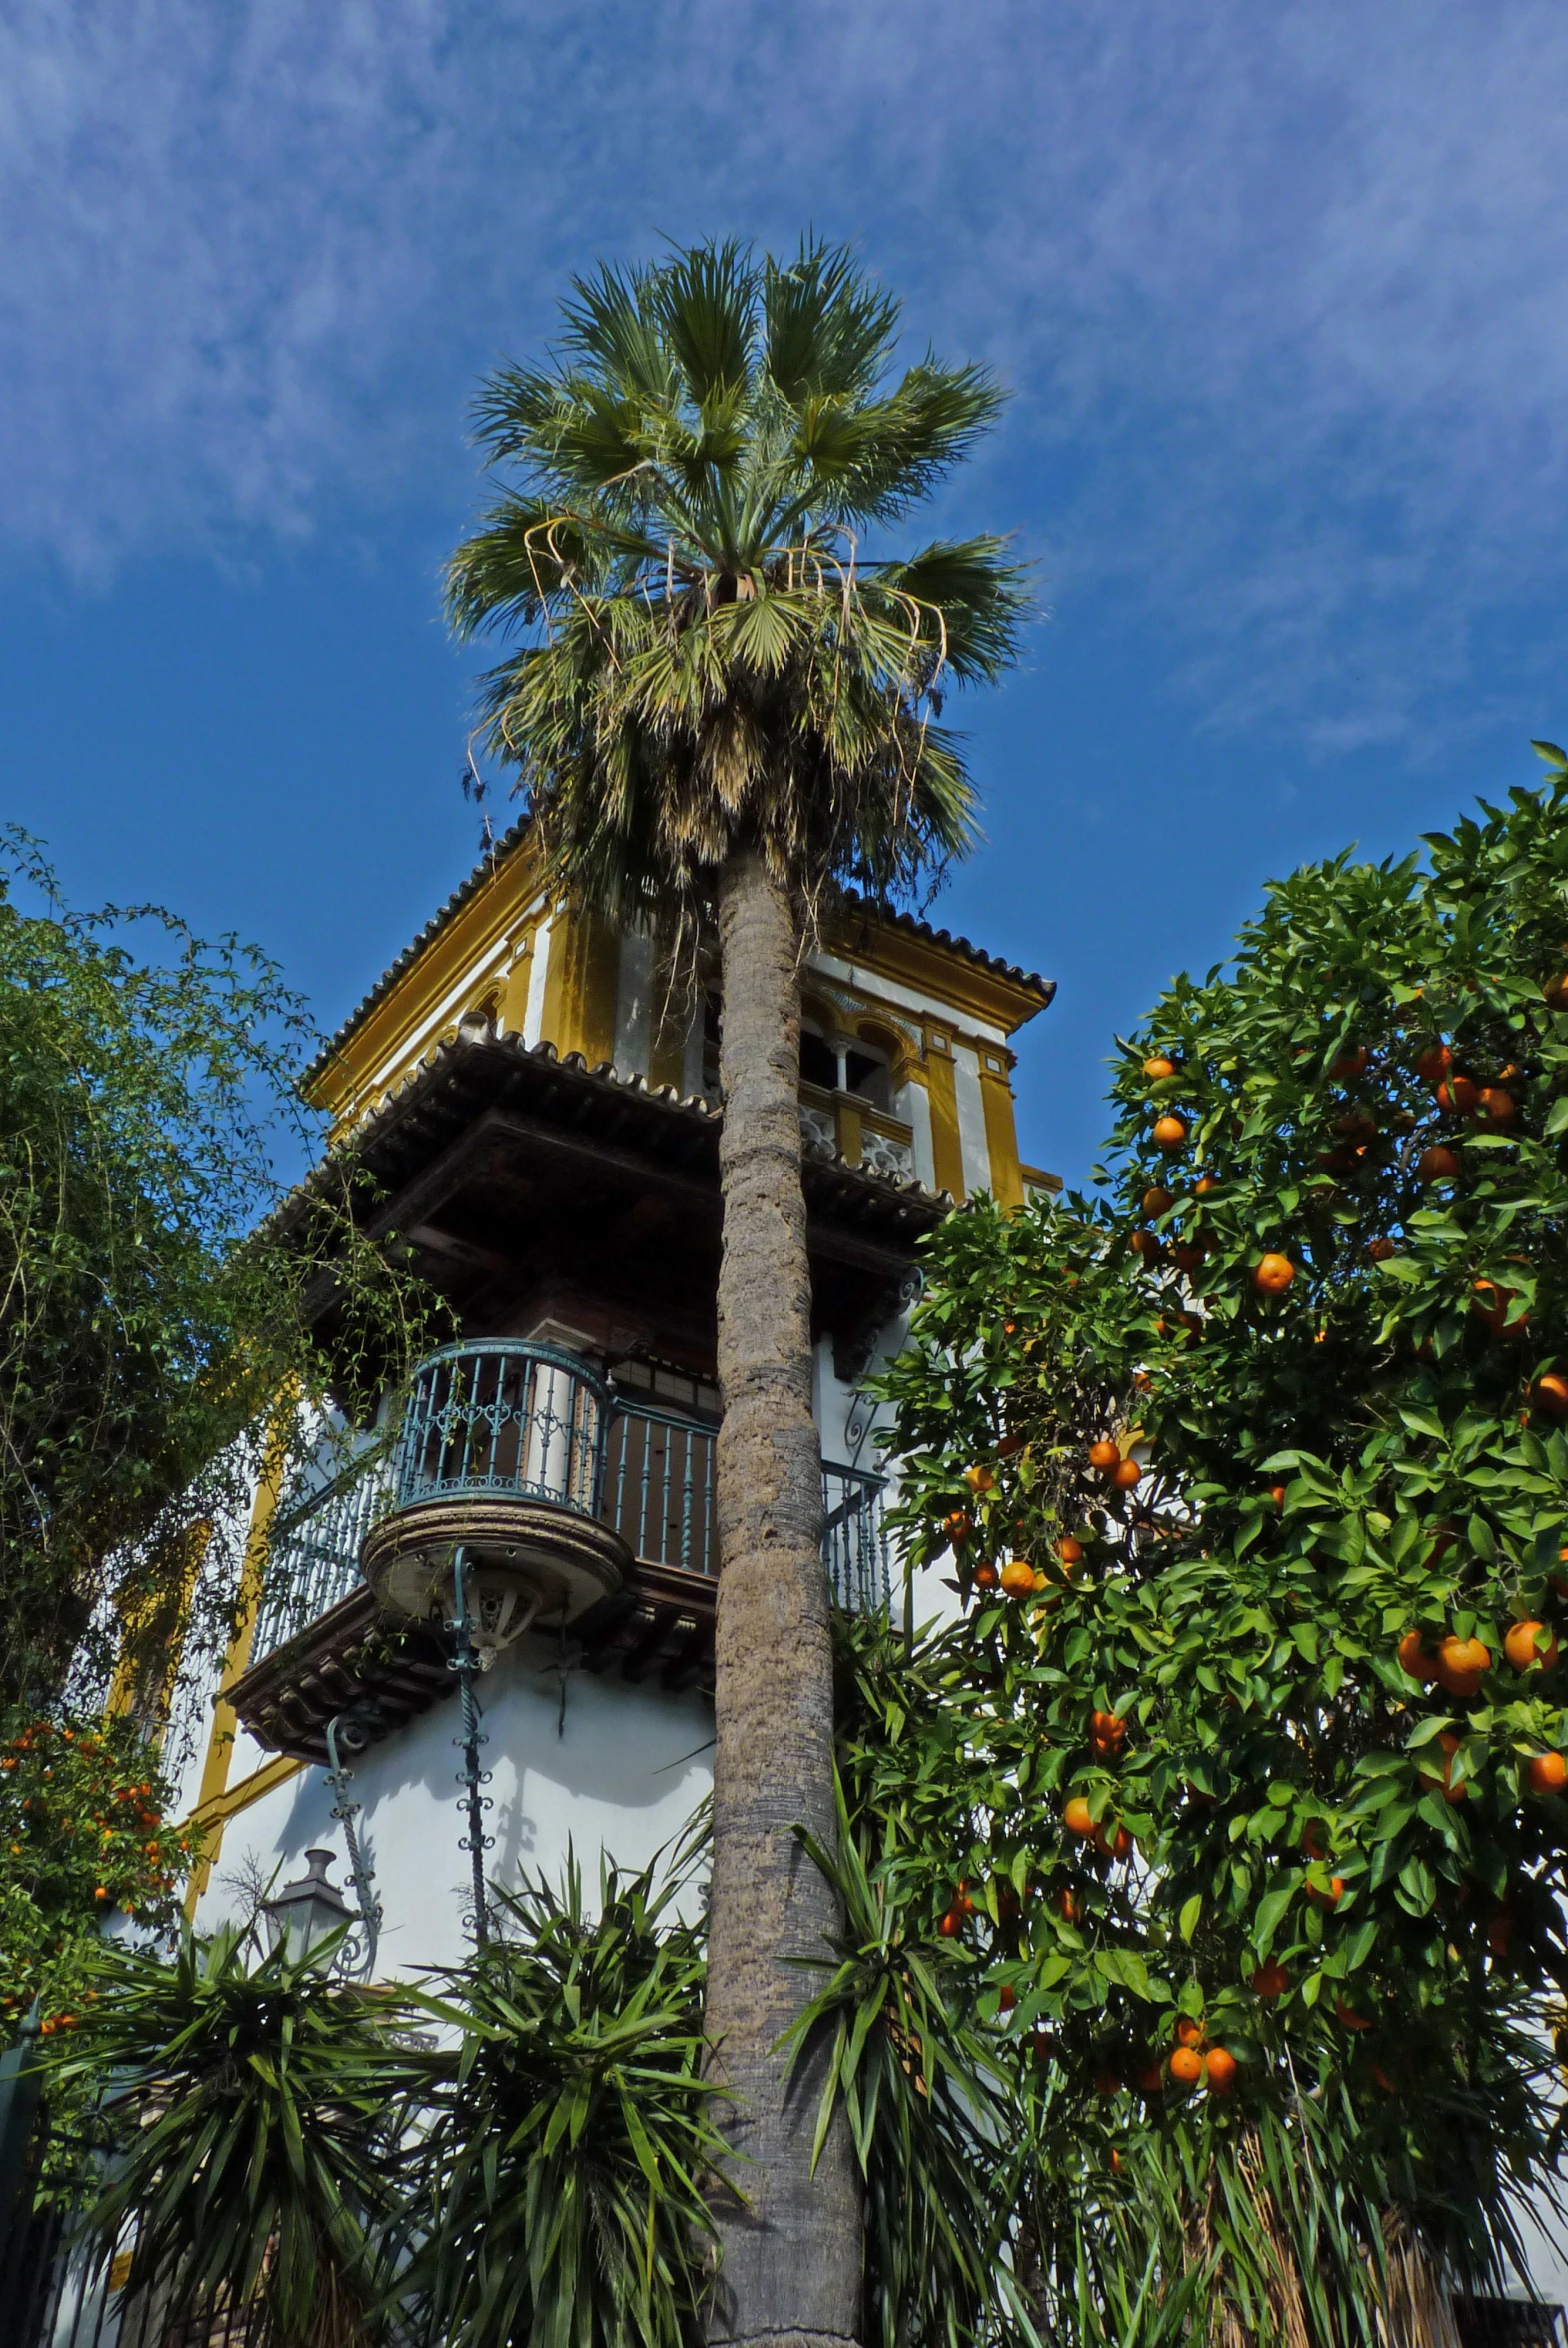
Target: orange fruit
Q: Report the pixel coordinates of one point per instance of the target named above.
(1145, 1248)
(1189, 2032)
(1075, 1817)
(1127, 1476)
(1556, 993)
(1219, 2070)
(1382, 1250)
(986, 1576)
(1186, 2066)
(1350, 2018)
(1066, 1908)
(1017, 1579)
(1157, 1067)
(1007, 1998)
(1205, 1188)
(1313, 1841)
(1437, 1164)
(1548, 1773)
(1274, 1276)
(1497, 1105)
(1170, 1132)
(1156, 1202)
(1277, 1492)
(1327, 1895)
(958, 1527)
(1047, 2046)
(1434, 1063)
(1461, 1664)
(1551, 1394)
(1520, 1648)
(980, 1479)
(1441, 1781)
(1414, 1658)
(951, 1925)
(1151, 2081)
(1352, 1064)
(1271, 1980)
(1068, 1550)
(1460, 1094)
(1104, 1455)
(1187, 1258)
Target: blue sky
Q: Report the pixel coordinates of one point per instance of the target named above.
(1279, 291)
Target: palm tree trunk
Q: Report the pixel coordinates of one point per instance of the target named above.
(790, 2253)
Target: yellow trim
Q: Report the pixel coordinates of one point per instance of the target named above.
(590, 985)
(1001, 1137)
(220, 1742)
(946, 1145)
(931, 968)
(390, 1038)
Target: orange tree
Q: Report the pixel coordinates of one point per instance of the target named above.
(83, 1839)
(1241, 1780)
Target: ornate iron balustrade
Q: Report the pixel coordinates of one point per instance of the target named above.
(495, 1417)
(313, 1552)
(533, 1421)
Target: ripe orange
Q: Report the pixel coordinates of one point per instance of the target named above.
(1520, 1648)
(1327, 1895)
(1151, 2081)
(1186, 2066)
(1106, 2083)
(1145, 1248)
(1104, 1455)
(1066, 1908)
(980, 1479)
(1460, 1094)
(950, 1925)
(1434, 1063)
(1075, 1817)
(1274, 1276)
(986, 1576)
(1382, 1250)
(1548, 1773)
(1461, 1664)
(957, 1529)
(1187, 1258)
(1157, 1067)
(1556, 993)
(1313, 1840)
(1047, 2046)
(1551, 1394)
(1189, 2032)
(1158, 1203)
(1017, 1579)
(1277, 1492)
(1352, 1064)
(1414, 1658)
(1068, 1550)
(1170, 1132)
(1117, 1846)
(1271, 1980)
(1437, 1164)
(1442, 1781)
(1497, 1105)
(1007, 1998)
(1350, 2018)
(1219, 2070)
(1129, 1475)
(1205, 1188)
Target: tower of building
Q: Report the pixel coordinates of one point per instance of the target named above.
(534, 1103)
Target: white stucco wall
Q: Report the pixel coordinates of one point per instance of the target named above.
(620, 1774)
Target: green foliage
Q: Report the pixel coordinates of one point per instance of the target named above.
(256, 2117)
(709, 660)
(561, 2201)
(82, 1837)
(1341, 1872)
(146, 1326)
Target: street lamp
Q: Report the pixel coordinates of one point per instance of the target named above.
(303, 1914)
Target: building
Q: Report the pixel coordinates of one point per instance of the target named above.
(537, 1111)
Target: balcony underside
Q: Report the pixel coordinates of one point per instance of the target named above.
(357, 1659)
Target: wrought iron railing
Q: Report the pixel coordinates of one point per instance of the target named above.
(536, 1422)
(313, 1558)
(501, 1417)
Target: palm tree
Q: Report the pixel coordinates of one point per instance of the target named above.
(719, 708)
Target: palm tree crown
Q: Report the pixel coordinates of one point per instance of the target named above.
(709, 660)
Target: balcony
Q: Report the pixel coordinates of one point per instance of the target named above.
(597, 1508)
(842, 1124)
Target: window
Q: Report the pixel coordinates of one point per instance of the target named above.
(818, 1060)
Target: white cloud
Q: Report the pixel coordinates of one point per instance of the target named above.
(1283, 287)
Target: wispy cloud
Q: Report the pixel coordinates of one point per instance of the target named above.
(1282, 288)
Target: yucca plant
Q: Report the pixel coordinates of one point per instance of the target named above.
(562, 2196)
(255, 2110)
(726, 699)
